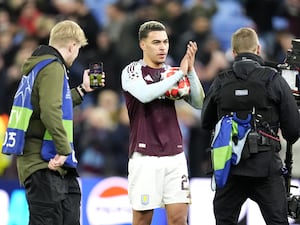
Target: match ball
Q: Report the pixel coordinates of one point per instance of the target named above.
(179, 90)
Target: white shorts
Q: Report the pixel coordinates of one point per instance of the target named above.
(154, 182)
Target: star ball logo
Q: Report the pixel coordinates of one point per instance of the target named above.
(108, 202)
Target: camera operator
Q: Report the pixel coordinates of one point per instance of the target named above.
(290, 71)
(250, 90)
(291, 68)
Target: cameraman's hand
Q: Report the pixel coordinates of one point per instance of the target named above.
(86, 81)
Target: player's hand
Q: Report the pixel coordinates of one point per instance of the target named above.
(184, 64)
(191, 51)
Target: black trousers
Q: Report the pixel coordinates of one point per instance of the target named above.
(269, 193)
(53, 199)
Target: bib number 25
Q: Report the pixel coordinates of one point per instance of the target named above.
(10, 139)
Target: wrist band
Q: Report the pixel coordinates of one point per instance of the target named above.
(82, 89)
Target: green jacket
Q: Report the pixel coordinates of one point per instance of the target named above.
(47, 113)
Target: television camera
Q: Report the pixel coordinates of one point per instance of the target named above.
(290, 71)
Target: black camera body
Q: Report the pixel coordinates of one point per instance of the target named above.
(290, 70)
(293, 55)
(294, 206)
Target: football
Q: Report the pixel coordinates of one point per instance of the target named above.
(181, 89)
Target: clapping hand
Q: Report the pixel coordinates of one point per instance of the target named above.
(191, 51)
(188, 60)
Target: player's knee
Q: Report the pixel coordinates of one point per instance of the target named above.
(142, 217)
(177, 219)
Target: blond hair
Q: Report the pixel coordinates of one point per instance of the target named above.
(66, 31)
(244, 40)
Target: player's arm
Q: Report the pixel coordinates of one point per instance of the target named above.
(196, 96)
(133, 82)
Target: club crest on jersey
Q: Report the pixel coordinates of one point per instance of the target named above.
(145, 199)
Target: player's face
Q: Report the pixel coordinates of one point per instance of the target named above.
(155, 48)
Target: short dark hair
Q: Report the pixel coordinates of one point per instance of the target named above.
(149, 26)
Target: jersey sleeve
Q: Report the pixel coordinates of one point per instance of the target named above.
(134, 83)
(197, 92)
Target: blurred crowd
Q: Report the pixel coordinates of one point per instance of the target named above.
(111, 26)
